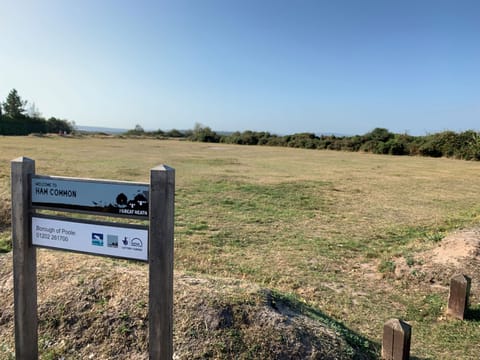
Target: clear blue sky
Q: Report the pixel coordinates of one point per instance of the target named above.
(344, 66)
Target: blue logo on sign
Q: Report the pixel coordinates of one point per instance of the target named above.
(97, 239)
(112, 241)
(136, 242)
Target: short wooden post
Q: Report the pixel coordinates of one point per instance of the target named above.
(161, 213)
(396, 340)
(458, 297)
(24, 261)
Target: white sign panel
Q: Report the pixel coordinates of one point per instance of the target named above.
(117, 241)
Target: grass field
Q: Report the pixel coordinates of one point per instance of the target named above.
(330, 228)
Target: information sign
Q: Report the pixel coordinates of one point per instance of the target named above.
(89, 237)
(31, 228)
(97, 196)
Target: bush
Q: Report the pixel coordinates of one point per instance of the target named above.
(54, 125)
(378, 135)
(465, 145)
(22, 125)
(204, 134)
(302, 140)
(175, 133)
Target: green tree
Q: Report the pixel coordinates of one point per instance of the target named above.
(174, 133)
(137, 131)
(14, 106)
(54, 125)
(204, 134)
(378, 134)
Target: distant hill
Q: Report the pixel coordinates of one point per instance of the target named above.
(107, 130)
(96, 129)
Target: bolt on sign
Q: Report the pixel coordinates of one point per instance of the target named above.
(153, 244)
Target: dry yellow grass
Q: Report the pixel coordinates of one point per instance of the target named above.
(317, 224)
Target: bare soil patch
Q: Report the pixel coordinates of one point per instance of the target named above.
(97, 308)
(456, 253)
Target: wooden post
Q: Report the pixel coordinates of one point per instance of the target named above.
(458, 297)
(24, 261)
(161, 213)
(396, 340)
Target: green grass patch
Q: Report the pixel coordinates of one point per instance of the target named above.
(5, 242)
(267, 202)
(429, 308)
(387, 266)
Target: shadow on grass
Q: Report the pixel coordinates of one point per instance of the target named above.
(363, 348)
(473, 314)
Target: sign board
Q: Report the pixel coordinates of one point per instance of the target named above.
(97, 196)
(154, 202)
(89, 237)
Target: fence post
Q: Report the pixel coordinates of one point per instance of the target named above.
(24, 261)
(458, 297)
(396, 340)
(161, 213)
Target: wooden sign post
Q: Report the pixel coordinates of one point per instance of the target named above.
(458, 297)
(160, 311)
(396, 340)
(24, 262)
(153, 244)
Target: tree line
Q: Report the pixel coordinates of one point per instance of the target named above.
(15, 119)
(464, 145)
